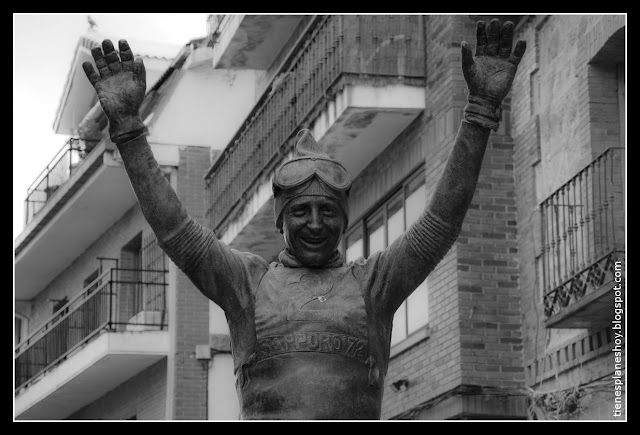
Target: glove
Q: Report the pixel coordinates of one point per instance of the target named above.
(120, 86)
(490, 75)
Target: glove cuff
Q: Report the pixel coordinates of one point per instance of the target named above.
(125, 129)
(483, 112)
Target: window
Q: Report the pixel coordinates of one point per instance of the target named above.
(379, 229)
(17, 329)
(90, 280)
(20, 324)
(57, 305)
(131, 289)
(93, 311)
(153, 266)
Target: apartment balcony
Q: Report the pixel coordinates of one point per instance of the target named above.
(251, 41)
(113, 329)
(583, 237)
(78, 196)
(56, 173)
(355, 81)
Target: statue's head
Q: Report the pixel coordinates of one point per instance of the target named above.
(311, 194)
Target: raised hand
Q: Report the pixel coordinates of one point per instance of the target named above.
(490, 75)
(120, 85)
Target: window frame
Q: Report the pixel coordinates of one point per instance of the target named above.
(415, 179)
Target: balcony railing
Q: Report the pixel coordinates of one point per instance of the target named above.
(118, 300)
(56, 174)
(384, 45)
(583, 232)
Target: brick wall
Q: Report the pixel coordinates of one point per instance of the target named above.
(491, 336)
(191, 321)
(564, 113)
(489, 303)
(142, 396)
(474, 331)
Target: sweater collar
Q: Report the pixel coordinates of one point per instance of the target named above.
(289, 260)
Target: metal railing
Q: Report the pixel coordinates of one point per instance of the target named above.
(383, 45)
(118, 300)
(582, 231)
(57, 172)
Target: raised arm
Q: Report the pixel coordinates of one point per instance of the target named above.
(410, 259)
(489, 78)
(221, 274)
(120, 84)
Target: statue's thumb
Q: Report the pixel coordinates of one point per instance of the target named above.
(468, 64)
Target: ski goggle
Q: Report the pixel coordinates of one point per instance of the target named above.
(299, 170)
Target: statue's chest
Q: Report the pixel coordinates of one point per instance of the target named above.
(290, 299)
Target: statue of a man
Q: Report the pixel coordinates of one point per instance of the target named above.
(310, 334)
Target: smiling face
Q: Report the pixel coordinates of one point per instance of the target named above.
(312, 227)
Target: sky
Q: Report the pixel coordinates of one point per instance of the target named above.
(43, 48)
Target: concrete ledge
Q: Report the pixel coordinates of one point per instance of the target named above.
(471, 402)
(90, 372)
(477, 407)
(220, 343)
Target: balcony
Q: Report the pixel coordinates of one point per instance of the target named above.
(57, 173)
(251, 41)
(583, 236)
(76, 199)
(356, 89)
(113, 329)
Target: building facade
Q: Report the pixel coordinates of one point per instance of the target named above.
(568, 118)
(499, 329)
(106, 326)
(516, 317)
(385, 96)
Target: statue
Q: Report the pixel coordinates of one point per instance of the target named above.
(310, 334)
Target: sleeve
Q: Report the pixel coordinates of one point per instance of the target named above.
(222, 274)
(394, 273)
(159, 203)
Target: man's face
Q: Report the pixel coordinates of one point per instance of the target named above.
(312, 227)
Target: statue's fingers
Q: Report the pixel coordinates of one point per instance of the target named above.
(506, 40)
(101, 62)
(518, 52)
(126, 55)
(493, 37)
(481, 39)
(139, 72)
(91, 73)
(113, 61)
